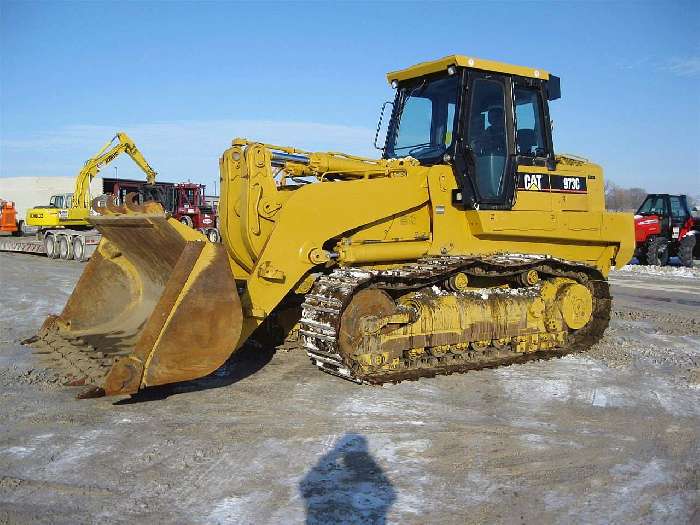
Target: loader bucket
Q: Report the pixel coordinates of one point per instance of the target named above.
(156, 304)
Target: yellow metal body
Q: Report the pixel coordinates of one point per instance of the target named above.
(394, 211)
(79, 210)
(434, 66)
(439, 323)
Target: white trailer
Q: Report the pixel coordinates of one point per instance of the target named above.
(56, 244)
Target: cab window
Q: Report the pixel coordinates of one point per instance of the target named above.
(529, 132)
(677, 209)
(424, 120)
(653, 205)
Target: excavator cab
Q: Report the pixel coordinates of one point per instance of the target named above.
(61, 201)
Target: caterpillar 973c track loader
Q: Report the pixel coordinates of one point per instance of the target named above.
(469, 244)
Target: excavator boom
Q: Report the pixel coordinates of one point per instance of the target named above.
(120, 143)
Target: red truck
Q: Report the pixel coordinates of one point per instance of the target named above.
(191, 208)
(187, 203)
(665, 227)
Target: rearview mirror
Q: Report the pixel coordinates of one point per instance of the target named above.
(380, 135)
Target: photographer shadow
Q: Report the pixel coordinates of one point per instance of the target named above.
(347, 486)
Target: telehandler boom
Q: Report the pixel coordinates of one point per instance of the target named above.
(468, 244)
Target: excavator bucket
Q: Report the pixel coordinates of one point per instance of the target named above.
(156, 304)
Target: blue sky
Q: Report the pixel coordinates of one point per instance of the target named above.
(183, 79)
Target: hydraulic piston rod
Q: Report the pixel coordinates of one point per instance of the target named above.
(279, 159)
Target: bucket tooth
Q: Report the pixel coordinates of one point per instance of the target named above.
(113, 207)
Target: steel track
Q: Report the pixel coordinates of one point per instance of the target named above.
(330, 295)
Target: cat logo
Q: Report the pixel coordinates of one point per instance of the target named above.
(551, 183)
(533, 182)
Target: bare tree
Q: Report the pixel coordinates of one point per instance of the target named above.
(623, 199)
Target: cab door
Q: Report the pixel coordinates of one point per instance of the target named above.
(489, 148)
(679, 215)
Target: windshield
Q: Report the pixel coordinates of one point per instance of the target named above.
(425, 119)
(653, 205)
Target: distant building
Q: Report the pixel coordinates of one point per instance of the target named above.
(28, 192)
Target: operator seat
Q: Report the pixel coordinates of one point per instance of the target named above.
(526, 140)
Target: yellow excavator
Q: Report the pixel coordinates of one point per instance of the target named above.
(63, 225)
(470, 243)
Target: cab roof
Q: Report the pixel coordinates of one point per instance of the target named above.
(435, 66)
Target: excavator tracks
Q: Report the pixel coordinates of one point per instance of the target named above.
(331, 294)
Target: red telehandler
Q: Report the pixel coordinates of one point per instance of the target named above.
(665, 227)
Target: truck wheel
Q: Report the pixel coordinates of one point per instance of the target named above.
(656, 252)
(50, 245)
(187, 221)
(213, 235)
(20, 229)
(65, 248)
(78, 249)
(685, 250)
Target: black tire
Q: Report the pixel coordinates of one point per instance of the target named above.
(686, 247)
(187, 221)
(19, 230)
(65, 248)
(213, 235)
(656, 252)
(78, 249)
(51, 246)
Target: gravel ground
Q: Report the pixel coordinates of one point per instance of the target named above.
(609, 436)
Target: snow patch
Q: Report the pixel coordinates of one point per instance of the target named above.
(659, 271)
(610, 397)
(21, 452)
(238, 509)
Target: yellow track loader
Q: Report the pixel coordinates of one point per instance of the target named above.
(468, 244)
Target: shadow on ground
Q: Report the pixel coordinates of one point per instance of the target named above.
(347, 486)
(243, 363)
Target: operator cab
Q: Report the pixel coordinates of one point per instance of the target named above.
(672, 210)
(485, 118)
(61, 201)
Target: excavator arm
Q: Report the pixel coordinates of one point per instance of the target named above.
(120, 143)
(76, 214)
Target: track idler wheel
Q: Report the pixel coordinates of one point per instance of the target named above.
(576, 305)
(365, 304)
